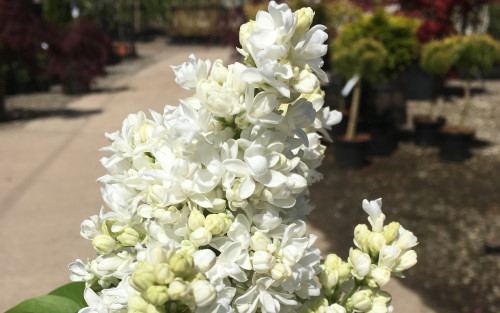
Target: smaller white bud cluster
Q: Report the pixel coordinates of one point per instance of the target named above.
(381, 252)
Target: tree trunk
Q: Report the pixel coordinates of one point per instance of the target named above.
(463, 115)
(353, 115)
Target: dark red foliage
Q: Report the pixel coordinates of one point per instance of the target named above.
(81, 52)
(437, 15)
(21, 34)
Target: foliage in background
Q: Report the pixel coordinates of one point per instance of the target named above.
(21, 34)
(438, 56)
(438, 16)
(494, 28)
(397, 34)
(365, 57)
(476, 54)
(81, 51)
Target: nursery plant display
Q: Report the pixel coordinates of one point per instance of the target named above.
(437, 58)
(384, 106)
(79, 56)
(363, 59)
(205, 203)
(470, 55)
(21, 35)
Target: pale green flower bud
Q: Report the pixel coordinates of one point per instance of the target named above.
(129, 237)
(375, 242)
(360, 263)
(280, 272)
(305, 82)
(142, 277)
(407, 260)
(219, 72)
(201, 237)
(177, 290)
(163, 274)
(262, 261)
(204, 293)
(361, 233)
(181, 265)
(157, 295)
(391, 232)
(215, 224)
(137, 304)
(188, 247)
(304, 20)
(329, 279)
(380, 275)
(344, 271)
(196, 220)
(332, 262)
(361, 300)
(104, 244)
(155, 309)
(260, 241)
(158, 255)
(167, 216)
(245, 32)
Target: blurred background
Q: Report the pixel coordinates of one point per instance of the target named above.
(418, 82)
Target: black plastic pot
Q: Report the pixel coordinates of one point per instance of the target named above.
(455, 144)
(351, 154)
(421, 85)
(383, 138)
(384, 101)
(427, 130)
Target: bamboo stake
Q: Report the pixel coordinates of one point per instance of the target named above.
(467, 87)
(353, 115)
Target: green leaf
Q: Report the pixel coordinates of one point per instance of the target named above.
(72, 291)
(46, 304)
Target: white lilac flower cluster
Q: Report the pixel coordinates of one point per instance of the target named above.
(205, 204)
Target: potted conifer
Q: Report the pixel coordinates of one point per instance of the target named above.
(473, 55)
(384, 102)
(363, 60)
(437, 58)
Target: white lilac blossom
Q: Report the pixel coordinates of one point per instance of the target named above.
(205, 203)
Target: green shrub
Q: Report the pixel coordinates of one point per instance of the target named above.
(438, 56)
(476, 54)
(471, 55)
(396, 33)
(365, 57)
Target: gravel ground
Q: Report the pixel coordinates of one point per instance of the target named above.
(454, 208)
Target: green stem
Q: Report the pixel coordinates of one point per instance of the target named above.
(349, 295)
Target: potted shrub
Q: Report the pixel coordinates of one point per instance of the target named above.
(79, 56)
(384, 100)
(363, 59)
(437, 58)
(473, 55)
(21, 37)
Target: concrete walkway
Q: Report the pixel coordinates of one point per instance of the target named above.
(47, 182)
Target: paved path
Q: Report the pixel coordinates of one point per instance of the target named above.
(47, 181)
